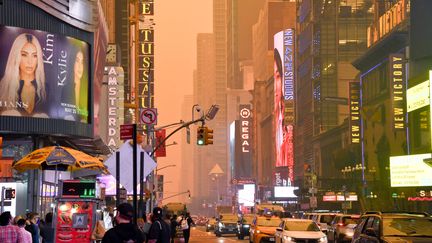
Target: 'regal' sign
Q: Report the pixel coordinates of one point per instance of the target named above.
(245, 126)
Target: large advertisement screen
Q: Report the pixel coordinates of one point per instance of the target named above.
(284, 80)
(411, 170)
(43, 75)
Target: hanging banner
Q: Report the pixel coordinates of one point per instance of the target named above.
(397, 87)
(160, 136)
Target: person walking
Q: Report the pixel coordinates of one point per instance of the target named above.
(9, 233)
(174, 225)
(47, 229)
(159, 230)
(25, 235)
(32, 226)
(125, 230)
(186, 222)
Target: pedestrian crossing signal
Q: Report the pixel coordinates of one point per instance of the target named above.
(9, 194)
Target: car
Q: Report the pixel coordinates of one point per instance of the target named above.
(226, 224)
(324, 220)
(243, 225)
(389, 227)
(299, 230)
(210, 225)
(342, 228)
(263, 229)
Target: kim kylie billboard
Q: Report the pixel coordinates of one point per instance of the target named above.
(284, 78)
(43, 75)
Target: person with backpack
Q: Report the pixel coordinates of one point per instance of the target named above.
(124, 231)
(174, 225)
(159, 230)
(185, 223)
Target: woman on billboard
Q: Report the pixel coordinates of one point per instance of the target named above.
(77, 90)
(282, 131)
(22, 87)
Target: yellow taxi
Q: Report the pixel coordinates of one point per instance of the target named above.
(263, 229)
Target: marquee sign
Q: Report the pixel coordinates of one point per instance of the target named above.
(398, 80)
(354, 111)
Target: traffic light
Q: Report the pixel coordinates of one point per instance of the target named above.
(189, 195)
(201, 133)
(9, 193)
(208, 136)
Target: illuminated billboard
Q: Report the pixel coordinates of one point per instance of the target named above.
(411, 170)
(246, 196)
(43, 75)
(284, 80)
(284, 191)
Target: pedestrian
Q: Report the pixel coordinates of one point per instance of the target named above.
(174, 225)
(25, 235)
(159, 230)
(47, 229)
(9, 233)
(32, 226)
(186, 222)
(125, 230)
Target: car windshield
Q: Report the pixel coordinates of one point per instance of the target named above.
(247, 219)
(229, 217)
(268, 222)
(301, 226)
(349, 220)
(407, 227)
(327, 218)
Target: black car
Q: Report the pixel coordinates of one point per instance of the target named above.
(387, 227)
(243, 226)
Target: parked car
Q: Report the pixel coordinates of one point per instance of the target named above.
(243, 226)
(391, 227)
(226, 224)
(210, 225)
(299, 230)
(263, 229)
(342, 228)
(324, 220)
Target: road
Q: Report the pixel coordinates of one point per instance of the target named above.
(198, 235)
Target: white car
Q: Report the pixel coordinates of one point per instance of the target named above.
(303, 230)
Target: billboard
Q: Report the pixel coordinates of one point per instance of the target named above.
(284, 80)
(246, 196)
(43, 75)
(280, 176)
(411, 170)
(241, 143)
(284, 191)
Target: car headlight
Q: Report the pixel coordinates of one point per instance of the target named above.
(288, 239)
(246, 226)
(323, 239)
(208, 225)
(258, 231)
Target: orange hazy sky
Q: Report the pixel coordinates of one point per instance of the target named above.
(177, 26)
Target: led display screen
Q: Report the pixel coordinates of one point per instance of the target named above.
(43, 75)
(411, 170)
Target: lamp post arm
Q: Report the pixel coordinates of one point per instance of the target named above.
(202, 119)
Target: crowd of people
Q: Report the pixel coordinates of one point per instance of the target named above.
(29, 229)
(152, 228)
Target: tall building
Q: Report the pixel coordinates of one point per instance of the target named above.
(204, 90)
(220, 28)
(330, 35)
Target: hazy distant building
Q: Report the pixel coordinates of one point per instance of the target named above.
(204, 94)
(188, 165)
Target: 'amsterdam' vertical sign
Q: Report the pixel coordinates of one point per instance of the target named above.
(354, 109)
(145, 49)
(397, 79)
